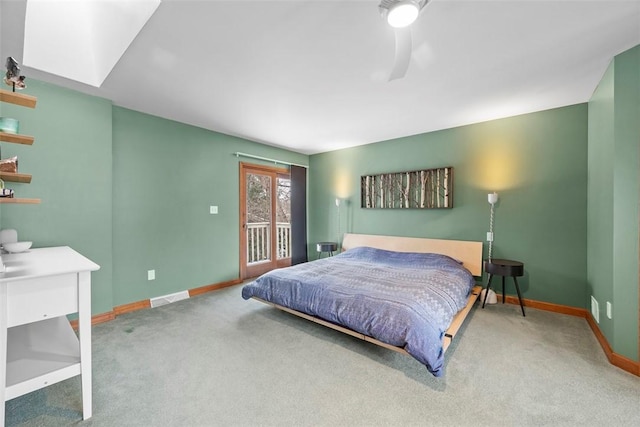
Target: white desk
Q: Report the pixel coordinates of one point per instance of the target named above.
(37, 345)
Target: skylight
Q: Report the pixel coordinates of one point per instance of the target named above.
(79, 39)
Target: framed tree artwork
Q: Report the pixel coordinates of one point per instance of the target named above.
(421, 189)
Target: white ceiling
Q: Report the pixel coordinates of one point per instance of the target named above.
(311, 76)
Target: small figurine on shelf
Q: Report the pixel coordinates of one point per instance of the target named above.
(5, 192)
(13, 77)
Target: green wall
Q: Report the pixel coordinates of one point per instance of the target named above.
(600, 199)
(70, 161)
(536, 162)
(166, 175)
(131, 192)
(613, 214)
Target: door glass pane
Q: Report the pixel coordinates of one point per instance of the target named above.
(283, 217)
(258, 194)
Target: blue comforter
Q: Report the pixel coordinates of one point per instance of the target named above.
(404, 299)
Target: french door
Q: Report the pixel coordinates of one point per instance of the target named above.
(265, 219)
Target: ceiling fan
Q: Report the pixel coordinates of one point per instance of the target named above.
(400, 14)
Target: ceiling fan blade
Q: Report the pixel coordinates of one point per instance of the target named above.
(403, 53)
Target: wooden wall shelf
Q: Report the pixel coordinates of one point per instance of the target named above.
(16, 200)
(15, 177)
(18, 98)
(16, 138)
(24, 101)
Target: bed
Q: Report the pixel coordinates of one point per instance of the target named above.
(406, 294)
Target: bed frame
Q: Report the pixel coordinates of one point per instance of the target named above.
(469, 253)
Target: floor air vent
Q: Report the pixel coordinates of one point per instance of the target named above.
(168, 299)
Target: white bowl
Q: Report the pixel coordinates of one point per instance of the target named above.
(16, 246)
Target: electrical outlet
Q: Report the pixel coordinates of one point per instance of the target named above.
(213, 210)
(151, 275)
(609, 310)
(595, 309)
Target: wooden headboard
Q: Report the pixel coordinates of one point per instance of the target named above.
(470, 253)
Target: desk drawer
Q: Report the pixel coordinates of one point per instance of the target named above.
(42, 298)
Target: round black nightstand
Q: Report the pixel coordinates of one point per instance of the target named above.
(504, 268)
(329, 247)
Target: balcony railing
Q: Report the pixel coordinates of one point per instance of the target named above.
(259, 241)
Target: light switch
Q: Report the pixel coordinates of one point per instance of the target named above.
(213, 210)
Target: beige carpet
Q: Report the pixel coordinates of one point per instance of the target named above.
(218, 360)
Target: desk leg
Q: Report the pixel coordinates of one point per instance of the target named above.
(519, 296)
(3, 349)
(84, 326)
(503, 294)
(486, 291)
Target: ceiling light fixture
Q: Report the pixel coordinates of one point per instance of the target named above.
(403, 14)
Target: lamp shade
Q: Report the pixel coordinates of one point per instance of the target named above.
(402, 14)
